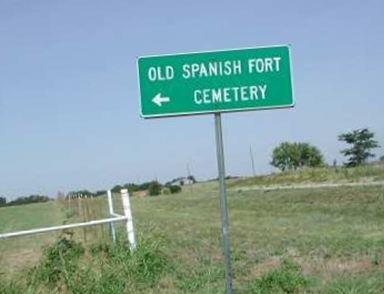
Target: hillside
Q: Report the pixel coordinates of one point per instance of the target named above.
(308, 240)
(361, 174)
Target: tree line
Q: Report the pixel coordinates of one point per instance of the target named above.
(24, 200)
(288, 155)
(152, 187)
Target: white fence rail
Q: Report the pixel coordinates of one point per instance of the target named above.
(115, 218)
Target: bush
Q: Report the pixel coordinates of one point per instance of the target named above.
(287, 279)
(58, 263)
(154, 188)
(175, 189)
(68, 267)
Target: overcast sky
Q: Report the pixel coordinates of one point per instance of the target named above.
(69, 112)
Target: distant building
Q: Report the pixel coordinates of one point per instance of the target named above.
(181, 181)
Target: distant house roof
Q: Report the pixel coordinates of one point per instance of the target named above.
(181, 181)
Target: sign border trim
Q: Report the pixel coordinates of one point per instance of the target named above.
(164, 115)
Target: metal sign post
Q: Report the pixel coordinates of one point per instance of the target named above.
(215, 82)
(223, 201)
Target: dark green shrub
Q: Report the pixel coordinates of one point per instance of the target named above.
(154, 188)
(3, 201)
(68, 267)
(59, 262)
(175, 189)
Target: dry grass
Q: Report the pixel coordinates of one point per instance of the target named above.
(336, 235)
(362, 174)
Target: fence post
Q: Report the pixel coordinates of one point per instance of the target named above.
(128, 214)
(111, 212)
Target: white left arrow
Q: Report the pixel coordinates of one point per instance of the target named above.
(158, 100)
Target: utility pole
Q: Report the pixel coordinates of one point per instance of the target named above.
(188, 170)
(189, 176)
(252, 160)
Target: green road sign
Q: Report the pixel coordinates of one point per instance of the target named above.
(217, 81)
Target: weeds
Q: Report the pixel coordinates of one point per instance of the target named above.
(287, 279)
(331, 230)
(9, 287)
(199, 278)
(367, 284)
(59, 261)
(67, 266)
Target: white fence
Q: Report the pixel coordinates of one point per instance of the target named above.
(114, 217)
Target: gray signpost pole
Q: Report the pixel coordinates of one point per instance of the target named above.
(257, 78)
(223, 202)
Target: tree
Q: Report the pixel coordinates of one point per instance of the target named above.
(361, 142)
(117, 189)
(3, 201)
(132, 187)
(29, 199)
(295, 155)
(154, 188)
(99, 193)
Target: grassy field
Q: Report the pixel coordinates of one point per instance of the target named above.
(17, 253)
(328, 240)
(361, 174)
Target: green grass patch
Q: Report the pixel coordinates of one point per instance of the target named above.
(286, 279)
(315, 175)
(332, 240)
(371, 283)
(68, 266)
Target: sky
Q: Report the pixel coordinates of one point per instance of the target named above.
(69, 110)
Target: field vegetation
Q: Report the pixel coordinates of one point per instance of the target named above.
(324, 240)
(338, 174)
